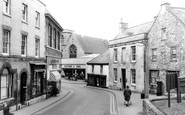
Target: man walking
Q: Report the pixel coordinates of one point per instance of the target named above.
(127, 93)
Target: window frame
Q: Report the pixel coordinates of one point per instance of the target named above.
(37, 47)
(101, 69)
(6, 43)
(24, 12)
(173, 56)
(133, 53)
(7, 7)
(54, 38)
(115, 55)
(37, 19)
(49, 35)
(115, 70)
(133, 75)
(72, 51)
(24, 45)
(123, 49)
(154, 54)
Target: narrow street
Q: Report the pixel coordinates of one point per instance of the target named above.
(83, 101)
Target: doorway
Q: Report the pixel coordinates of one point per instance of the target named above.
(123, 78)
(23, 87)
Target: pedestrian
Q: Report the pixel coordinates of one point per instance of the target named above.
(127, 93)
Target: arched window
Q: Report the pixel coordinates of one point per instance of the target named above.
(72, 51)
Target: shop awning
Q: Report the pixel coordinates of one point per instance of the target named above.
(38, 63)
(54, 76)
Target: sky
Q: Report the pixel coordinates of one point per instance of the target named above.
(101, 18)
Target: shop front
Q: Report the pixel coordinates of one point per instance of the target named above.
(38, 79)
(74, 72)
(96, 80)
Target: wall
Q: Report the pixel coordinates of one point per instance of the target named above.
(175, 34)
(126, 63)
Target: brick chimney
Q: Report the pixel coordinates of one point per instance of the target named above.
(122, 26)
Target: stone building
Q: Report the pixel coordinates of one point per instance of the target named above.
(98, 71)
(22, 58)
(53, 52)
(127, 57)
(78, 51)
(166, 45)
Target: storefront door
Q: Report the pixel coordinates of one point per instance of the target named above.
(23, 87)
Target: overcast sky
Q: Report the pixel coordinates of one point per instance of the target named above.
(100, 18)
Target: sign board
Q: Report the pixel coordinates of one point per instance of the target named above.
(72, 66)
(182, 85)
(171, 81)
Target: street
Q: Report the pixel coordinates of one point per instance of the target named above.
(83, 101)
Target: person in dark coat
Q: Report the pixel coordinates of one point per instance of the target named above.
(55, 91)
(127, 93)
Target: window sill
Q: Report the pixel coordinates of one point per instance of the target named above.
(37, 27)
(133, 84)
(5, 54)
(25, 22)
(8, 15)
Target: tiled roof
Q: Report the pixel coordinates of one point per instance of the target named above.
(140, 29)
(101, 59)
(179, 12)
(93, 45)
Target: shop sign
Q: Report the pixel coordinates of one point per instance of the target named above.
(54, 61)
(72, 66)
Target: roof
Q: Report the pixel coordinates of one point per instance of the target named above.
(102, 59)
(93, 45)
(139, 29)
(179, 12)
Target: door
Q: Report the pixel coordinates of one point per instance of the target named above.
(123, 78)
(23, 87)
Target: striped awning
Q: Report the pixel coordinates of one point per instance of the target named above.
(54, 76)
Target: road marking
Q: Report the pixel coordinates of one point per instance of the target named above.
(112, 104)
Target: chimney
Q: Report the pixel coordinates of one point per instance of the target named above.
(165, 3)
(122, 26)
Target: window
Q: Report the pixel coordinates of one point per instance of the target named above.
(49, 35)
(38, 83)
(37, 19)
(6, 84)
(115, 75)
(123, 54)
(133, 53)
(154, 54)
(92, 68)
(115, 55)
(133, 76)
(24, 12)
(72, 51)
(24, 45)
(173, 54)
(62, 39)
(6, 7)
(37, 47)
(54, 38)
(163, 33)
(101, 68)
(6, 39)
(58, 40)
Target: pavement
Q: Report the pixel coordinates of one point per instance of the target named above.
(134, 109)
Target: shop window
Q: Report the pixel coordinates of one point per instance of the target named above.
(133, 76)
(6, 84)
(38, 83)
(154, 75)
(72, 51)
(115, 75)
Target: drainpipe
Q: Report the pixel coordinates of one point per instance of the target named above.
(146, 67)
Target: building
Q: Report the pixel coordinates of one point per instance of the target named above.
(53, 52)
(98, 71)
(127, 57)
(78, 51)
(22, 58)
(166, 46)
